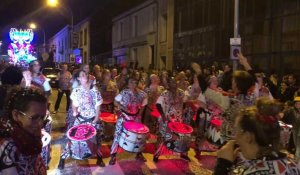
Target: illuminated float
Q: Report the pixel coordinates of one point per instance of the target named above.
(20, 51)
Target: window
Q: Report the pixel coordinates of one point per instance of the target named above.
(135, 25)
(163, 28)
(85, 56)
(121, 31)
(85, 36)
(81, 39)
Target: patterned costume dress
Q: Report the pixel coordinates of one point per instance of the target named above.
(13, 162)
(151, 113)
(108, 93)
(270, 165)
(133, 102)
(192, 93)
(172, 107)
(42, 83)
(86, 101)
(236, 104)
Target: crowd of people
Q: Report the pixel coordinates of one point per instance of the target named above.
(250, 118)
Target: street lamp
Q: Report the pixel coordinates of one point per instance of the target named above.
(52, 3)
(34, 26)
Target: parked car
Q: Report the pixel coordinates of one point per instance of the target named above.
(51, 75)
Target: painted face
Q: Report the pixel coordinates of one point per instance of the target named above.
(154, 79)
(107, 75)
(36, 67)
(132, 84)
(297, 104)
(234, 86)
(213, 82)
(64, 67)
(83, 78)
(32, 120)
(172, 84)
(86, 68)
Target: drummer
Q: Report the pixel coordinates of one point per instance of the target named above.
(170, 106)
(86, 101)
(131, 102)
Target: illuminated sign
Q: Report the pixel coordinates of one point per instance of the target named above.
(20, 50)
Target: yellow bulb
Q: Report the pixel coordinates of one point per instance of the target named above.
(52, 3)
(32, 26)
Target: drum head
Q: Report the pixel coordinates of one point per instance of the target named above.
(216, 122)
(81, 132)
(136, 127)
(46, 138)
(180, 128)
(108, 117)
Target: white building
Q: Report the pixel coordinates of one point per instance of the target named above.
(134, 35)
(144, 35)
(81, 41)
(60, 44)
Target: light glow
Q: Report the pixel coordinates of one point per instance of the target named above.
(20, 50)
(52, 3)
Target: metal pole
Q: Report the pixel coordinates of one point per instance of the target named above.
(236, 28)
(71, 38)
(44, 41)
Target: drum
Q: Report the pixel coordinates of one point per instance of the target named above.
(83, 141)
(109, 121)
(133, 137)
(46, 138)
(214, 133)
(285, 133)
(178, 137)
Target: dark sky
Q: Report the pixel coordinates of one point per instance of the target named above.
(18, 13)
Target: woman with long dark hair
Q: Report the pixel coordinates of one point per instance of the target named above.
(257, 139)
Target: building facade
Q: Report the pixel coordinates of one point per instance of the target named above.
(59, 45)
(81, 42)
(270, 32)
(134, 36)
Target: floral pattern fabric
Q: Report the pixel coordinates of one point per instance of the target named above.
(86, 101)
(172, 105)
(12, 161)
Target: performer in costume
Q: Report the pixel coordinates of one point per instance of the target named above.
(257, 139)
(170, 106)
(151, 113)
(39, 80)
(109, 90)
(20, 136)
(86, 101)
(131, 103)
(243, 86)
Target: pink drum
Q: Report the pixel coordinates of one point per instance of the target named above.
(214, 133)
(134, 136)
(108, 117)
(285, 133)
(178, 136)
(83, 141)
(109, 121)
(81, 132)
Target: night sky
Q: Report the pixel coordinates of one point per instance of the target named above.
(18, 13)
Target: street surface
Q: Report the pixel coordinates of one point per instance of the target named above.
(126, 163)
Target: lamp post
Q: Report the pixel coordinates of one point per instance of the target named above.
(34, 26)
(236, 27)
(54, 4)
